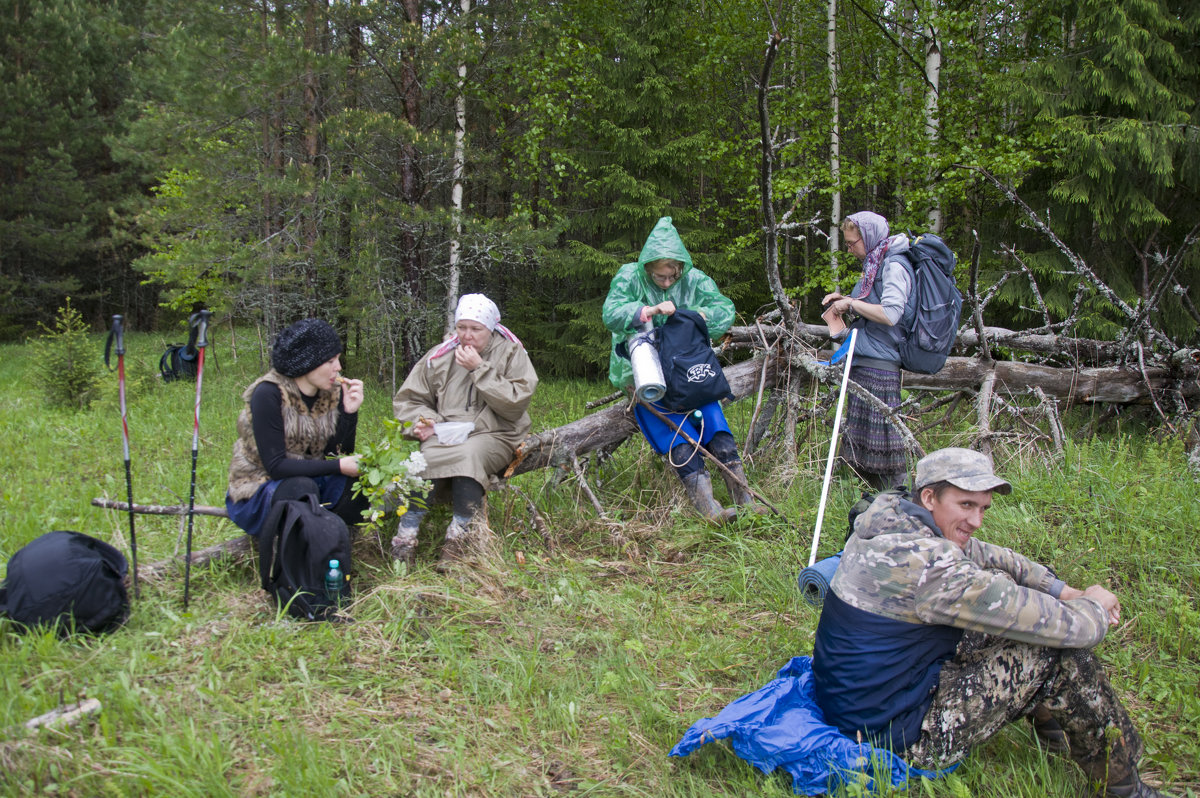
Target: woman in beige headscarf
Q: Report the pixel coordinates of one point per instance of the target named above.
(483, 377)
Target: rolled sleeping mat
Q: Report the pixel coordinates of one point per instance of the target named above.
(814, 580)
(648, 381)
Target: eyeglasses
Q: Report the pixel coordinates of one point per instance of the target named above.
(664, 278)
(851, 244)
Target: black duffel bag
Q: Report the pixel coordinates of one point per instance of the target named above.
(69, 579)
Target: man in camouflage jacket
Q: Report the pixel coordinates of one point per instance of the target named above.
(930, 641)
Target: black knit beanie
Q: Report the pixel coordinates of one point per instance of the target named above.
(305, 345)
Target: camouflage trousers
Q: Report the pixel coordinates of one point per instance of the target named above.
(992, 681)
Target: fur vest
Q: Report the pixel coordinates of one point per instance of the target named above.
(306, 433)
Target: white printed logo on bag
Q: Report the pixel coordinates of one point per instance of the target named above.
(700, 373)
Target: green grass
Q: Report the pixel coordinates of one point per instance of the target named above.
(573, 673)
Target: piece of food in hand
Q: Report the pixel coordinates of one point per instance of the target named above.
(340, 380)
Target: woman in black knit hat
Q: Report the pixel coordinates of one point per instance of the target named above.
(296, 432)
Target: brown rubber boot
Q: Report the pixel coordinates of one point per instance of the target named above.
(469, 542)
(699, 491)
(739, 488)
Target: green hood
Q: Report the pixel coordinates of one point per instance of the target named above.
(631, 290)
(664, 242)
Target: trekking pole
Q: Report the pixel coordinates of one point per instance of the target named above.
(200, 318)
(837, 423)
(117, 338)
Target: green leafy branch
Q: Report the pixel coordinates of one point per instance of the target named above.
(389, 472)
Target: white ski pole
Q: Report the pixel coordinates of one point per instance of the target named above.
(837, 423)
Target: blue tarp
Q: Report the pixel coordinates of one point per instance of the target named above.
(781, 726)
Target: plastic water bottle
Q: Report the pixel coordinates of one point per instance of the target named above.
(334, 581)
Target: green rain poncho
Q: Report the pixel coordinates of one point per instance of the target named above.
(632, 289)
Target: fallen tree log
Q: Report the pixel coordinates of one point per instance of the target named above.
(605, 429)
(1081, 350)
(240, 545)
(1116, 384)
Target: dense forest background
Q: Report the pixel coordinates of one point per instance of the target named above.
(368, 161)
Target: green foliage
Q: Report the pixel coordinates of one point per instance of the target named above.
(298, 159)
(67, 362)
(64, 70)
(1113, 99)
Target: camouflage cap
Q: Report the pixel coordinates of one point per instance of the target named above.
(963, 468)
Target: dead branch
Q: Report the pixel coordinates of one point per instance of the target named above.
(160, 509)
(770, 231)
(64, 716)
(587, 489)
(976, 305)
(1033, 286)
(1080, 266)
(1146, 379)
(711, 458)
(604, 400)
(983, 413)
(1052, 420)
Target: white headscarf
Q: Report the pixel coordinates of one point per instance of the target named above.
(478, 308)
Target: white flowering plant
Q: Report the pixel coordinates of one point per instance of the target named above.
(389, 471)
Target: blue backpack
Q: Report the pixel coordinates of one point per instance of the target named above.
(938, 304)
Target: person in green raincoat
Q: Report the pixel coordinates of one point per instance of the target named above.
(649, 290)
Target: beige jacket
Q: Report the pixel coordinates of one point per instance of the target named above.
(495, 396)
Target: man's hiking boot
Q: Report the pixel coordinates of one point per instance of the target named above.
(699, 491)
(1131, 787)
(739, 488)
(1049, 733)
(1116, 776)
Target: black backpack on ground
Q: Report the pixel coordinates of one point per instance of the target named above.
(691, 371)
(298, 539)
(938, 305)
(180, 361)
(67, 578)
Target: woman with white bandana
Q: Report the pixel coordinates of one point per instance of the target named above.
(878, 308)
(482, 376)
